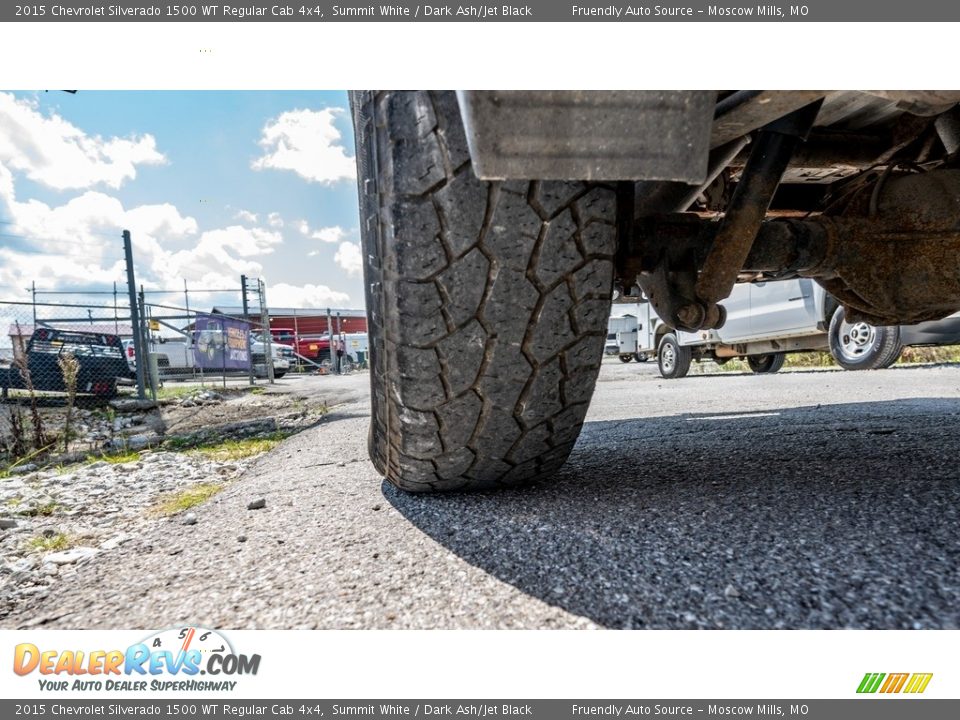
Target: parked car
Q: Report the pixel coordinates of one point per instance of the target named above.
(280, 354)
(102, 362)
(177, 355)
(768, 320)
(130, 353)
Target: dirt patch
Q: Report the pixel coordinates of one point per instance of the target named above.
(183, 416)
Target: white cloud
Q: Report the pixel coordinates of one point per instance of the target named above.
(329, 234)
(56, 153)
(306, 296)
(308, 143)
(349, 258)
(332, 234)
(78, 244)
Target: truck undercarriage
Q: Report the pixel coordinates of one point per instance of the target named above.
(497, 226)
(858, 190)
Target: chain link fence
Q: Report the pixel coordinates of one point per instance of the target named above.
(61, 365)
(58, 362)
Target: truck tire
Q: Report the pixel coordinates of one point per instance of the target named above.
(641, 357)
(766, 364)
(626, 358)
(860, 346)
(487, 302)
(673, 358)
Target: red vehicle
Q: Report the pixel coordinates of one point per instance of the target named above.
(316, 348)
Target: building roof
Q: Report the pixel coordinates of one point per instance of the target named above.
(289, 311)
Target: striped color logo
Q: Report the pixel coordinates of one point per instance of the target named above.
(887, 683)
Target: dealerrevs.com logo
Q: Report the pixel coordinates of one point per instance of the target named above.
(168, 660)
(890, 683)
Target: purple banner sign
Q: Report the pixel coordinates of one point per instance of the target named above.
(221, 343)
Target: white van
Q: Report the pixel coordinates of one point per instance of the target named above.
(767, 320)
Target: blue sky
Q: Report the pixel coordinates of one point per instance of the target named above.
(211, 184)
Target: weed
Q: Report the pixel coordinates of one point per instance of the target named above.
(176, 392)
(60, 541)
(228, 450)
(70, 368)
(119, 458)
(45, 510)
(185, 499)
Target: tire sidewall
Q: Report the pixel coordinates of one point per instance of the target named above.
(677, 369)
(871, 358)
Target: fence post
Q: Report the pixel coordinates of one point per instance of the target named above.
(246, 317)
(138, 348)
(148, 373)
(340, 348)
(265, 324)
(330, 337)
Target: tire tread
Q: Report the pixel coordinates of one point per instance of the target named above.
(487, 302)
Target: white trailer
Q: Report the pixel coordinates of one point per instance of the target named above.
(634, 332)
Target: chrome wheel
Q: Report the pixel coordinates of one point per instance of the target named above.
(668, 358)
(856, 339)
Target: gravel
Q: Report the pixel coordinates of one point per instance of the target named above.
(799, 500)
(96, 508)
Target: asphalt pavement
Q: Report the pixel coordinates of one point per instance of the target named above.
(806, 499)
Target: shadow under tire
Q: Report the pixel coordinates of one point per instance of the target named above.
(487, 302)
(673, 358)
(860, 346)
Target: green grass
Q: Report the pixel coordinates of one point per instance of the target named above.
(45, 510)
(60, 541)
(911, 355)
(186, 499)
(229, 450)
(118, 458)
(178, 391)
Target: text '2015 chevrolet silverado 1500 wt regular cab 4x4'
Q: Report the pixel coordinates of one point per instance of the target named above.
(497, 226)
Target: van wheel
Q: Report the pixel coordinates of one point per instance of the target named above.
(673, 358)
(861, 346)
(766, 364)
(487, 302)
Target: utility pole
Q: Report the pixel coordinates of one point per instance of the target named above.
(135, 316)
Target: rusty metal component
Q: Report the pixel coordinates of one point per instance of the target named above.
(748, 207)
(893, 257)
